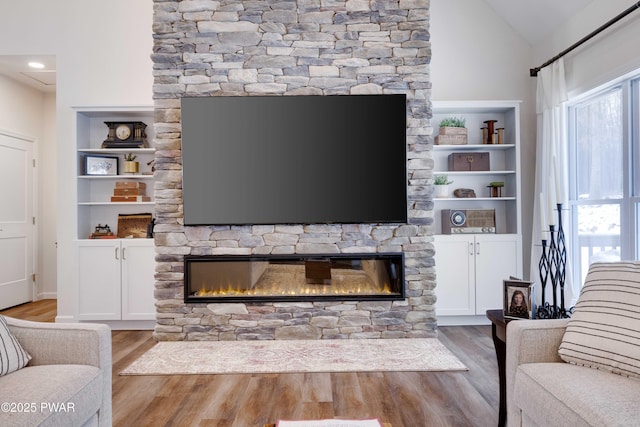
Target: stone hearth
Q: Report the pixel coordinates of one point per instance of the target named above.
(316, 47)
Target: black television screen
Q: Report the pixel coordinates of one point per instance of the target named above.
(294, 159)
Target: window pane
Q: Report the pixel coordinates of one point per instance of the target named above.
(598, 235)
(636, 241)
(599, 153)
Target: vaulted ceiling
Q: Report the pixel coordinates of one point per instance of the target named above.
(533, 20)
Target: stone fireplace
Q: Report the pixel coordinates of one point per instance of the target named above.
(288, 48)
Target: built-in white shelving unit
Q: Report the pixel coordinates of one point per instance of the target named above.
(470, 267)
(114, 283)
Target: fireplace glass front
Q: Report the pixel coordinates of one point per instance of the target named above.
(294, 277)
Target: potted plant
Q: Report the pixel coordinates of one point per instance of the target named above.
(130, 165)
(453, 131)
(441, 183)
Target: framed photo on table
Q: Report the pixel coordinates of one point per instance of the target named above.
(100, 165)
(518, 299)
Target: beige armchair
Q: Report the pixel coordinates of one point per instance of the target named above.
(68, 380)
(583, 371)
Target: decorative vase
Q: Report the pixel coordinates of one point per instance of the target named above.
(441, 191)
(131, 167)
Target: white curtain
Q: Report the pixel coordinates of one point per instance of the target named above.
(551, 173)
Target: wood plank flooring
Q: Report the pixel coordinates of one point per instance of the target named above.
(403, 399)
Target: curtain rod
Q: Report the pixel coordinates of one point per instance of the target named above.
(533, 72)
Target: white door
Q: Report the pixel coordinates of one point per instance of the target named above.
(497, 258)
(99, 279)
(16, 220)
(138, 282)
(455, 270)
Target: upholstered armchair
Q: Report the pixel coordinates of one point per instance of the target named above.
(67, 381)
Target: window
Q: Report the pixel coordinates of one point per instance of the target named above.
(603, 171)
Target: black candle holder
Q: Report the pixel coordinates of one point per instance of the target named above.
(552, 269)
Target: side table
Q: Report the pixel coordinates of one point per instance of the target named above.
(499, 335)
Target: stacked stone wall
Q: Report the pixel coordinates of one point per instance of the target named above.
(289, 48)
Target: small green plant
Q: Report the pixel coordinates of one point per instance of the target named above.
(130, 157)
(442, 180)
(453, 122)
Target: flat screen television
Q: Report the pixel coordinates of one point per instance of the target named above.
(294, 159)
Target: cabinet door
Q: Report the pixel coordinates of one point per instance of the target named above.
(455, 271)
(497, 257)
(138, 282)
(98, 279)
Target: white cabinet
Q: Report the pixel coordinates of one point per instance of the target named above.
(116, 279)
(470, 267)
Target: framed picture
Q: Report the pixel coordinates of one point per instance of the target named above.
(100, 165)
(518, 299)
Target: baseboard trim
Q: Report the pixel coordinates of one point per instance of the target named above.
(463, 320)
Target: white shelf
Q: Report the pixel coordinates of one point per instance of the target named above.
(504, 161)
(469, 275)
(114, 278)
(107, 177)
(85, 241)
(114, 203)
(474, 147)
(472, 173)
(117, 150)
(468, 199)
(93, 192)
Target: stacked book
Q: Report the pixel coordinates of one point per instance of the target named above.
(130, 191)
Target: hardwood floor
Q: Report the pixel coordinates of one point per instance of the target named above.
(403, 399)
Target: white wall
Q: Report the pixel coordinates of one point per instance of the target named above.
(47, 200)
(611, 54)
(21, 108)
(102, 51)
(477, 56)
(101, 63)
(103, 57)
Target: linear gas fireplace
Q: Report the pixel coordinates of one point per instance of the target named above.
(297, 277)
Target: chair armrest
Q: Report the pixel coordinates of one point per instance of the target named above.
(64, 343)
(69, 344)
(530, 341)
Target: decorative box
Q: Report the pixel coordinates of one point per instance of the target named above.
(129, 192)
(131, 184)
(451, 136)
(469, 161)
(130, 198)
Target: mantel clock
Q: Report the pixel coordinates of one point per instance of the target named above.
(125, 135)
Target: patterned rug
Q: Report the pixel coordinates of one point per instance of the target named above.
(284, 356)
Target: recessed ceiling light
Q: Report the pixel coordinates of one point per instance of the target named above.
(36, 65)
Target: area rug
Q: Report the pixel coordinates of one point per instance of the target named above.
(284, 356)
